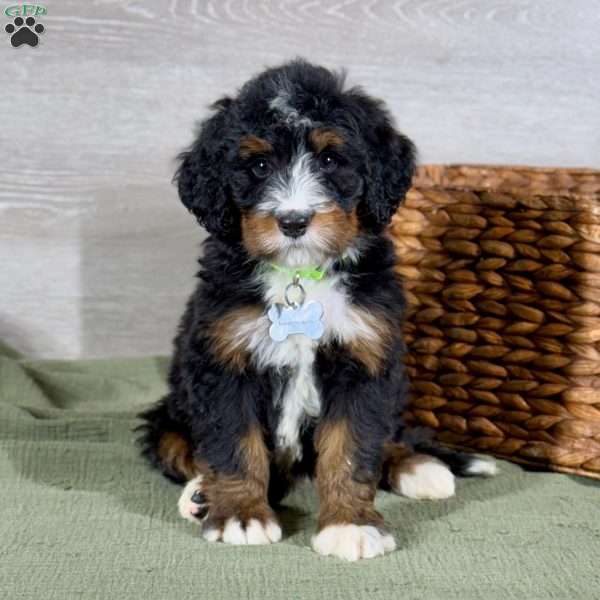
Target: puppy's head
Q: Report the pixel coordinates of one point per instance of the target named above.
(296, 167)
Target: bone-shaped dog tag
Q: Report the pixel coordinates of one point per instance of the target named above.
(289, 320)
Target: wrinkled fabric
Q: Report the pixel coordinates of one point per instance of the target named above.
(82, 516)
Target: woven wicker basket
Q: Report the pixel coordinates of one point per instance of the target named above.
(502, 273)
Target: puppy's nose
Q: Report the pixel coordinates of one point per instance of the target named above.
(294, 223)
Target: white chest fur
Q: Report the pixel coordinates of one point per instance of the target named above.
(300, 397)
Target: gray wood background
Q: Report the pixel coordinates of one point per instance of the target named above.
(97, 255)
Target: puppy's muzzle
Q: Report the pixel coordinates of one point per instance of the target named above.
(294, 223)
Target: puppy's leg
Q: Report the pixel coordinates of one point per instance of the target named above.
(233, 507)
(349, 526)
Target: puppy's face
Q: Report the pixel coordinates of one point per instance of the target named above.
(296, 168)
(298, 189)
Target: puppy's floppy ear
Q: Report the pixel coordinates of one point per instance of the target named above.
(391, 157)
(201, 177)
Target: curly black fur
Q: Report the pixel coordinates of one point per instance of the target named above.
(212, 186)
(211, 404)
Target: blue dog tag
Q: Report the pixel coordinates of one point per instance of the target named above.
(305, 319)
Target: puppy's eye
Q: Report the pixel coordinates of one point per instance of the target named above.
(328, 162)
(261, 168)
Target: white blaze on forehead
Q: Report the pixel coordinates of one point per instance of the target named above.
(281, 104)
(296, 188)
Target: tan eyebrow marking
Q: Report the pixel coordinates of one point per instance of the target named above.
(251, 145)
(323, 137)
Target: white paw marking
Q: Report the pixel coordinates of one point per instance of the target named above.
(482, 466)
(352, 542)
(233, 532)
(424, 478)
(211, 535)
(187, 509)
(255, 533)
(273, 531)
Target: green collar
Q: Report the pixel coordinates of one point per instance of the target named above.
(314, 273)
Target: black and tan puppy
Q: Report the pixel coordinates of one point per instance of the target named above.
(288, 360)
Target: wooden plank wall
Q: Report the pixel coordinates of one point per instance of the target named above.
(97, 255)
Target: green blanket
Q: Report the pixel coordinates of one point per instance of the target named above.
(82, 516)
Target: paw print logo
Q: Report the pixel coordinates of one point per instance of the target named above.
(24, 32)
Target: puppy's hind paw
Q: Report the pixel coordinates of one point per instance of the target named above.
(192, 503)
(481, 466)
(423, 477)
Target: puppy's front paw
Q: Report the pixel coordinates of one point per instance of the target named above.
(241, 533)
(352, 542)
(223, 519)
(240, 526)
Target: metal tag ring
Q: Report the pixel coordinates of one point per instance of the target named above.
(302, 291)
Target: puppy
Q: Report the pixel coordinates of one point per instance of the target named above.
(288, 360)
